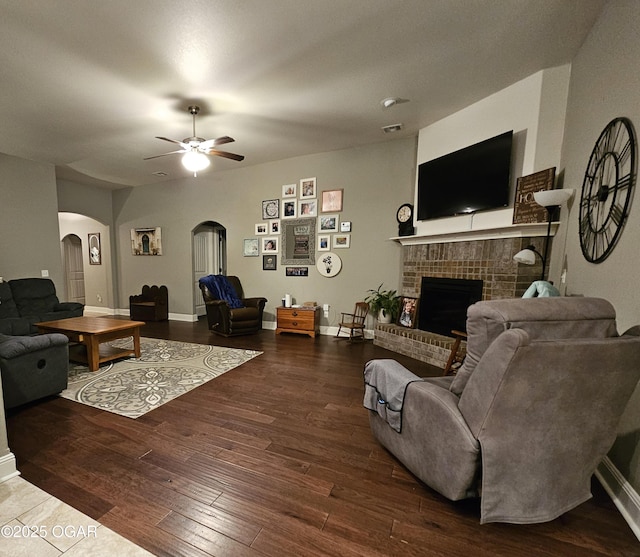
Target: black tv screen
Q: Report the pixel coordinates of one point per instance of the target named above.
(472, 179)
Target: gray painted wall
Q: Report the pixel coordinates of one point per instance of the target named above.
(376, 179)
(29, 220)
(605, 83)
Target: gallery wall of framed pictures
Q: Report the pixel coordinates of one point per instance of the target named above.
(300, 204)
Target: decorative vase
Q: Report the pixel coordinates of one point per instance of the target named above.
(384, 317)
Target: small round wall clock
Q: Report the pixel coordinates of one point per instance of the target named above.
(404, 216)
(607, 190)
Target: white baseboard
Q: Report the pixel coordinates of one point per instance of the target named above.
(331, 330)
(622, 493)
(99, 310)
(8, 468)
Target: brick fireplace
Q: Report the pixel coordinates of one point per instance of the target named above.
(490, 260)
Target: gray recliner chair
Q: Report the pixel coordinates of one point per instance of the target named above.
(531, 413)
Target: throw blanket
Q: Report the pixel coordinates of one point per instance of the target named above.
(220, 287)
(541, 288)
(385, 384)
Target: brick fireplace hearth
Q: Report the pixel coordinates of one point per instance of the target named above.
(490, 260)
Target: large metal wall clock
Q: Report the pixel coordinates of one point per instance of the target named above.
(607, 190)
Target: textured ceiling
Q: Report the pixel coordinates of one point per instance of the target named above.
(87, 84)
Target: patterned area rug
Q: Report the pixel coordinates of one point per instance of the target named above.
(165, 370)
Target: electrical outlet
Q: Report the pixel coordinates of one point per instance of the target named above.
(325, 307)
(44, 273)
(99, 298)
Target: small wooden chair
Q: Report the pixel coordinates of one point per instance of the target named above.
(455, 359)
(151, 305)
(354, 322)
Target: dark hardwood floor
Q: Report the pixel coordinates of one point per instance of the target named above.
(274, 458)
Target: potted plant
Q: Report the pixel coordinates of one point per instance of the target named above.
(383, 303)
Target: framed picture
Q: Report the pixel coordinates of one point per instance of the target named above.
(251, 247)
(290, 190)
(261, 228)
(95, 250)
(328, 223)
(308, 188)
(269, 263)
(146, 241)
(345, 226)
(274, 226)
(270, 209)
(324, 242)
(297, 271)
(270, 245)
(308, 208)
(289, 209)
(342, 240)
(332, 200)
(408, 312)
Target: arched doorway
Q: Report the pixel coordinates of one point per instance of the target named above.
(209, 257)
(73, 268)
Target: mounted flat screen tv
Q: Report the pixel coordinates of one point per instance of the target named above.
(472, 179)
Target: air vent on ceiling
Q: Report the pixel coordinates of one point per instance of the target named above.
(160, 173)
(392, 128)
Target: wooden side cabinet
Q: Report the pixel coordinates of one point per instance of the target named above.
(302, 320)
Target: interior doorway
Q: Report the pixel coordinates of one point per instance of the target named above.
(209, 257)
(73, 268)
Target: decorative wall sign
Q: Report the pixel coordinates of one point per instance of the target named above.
(525, 209)
(271, 209)
(297, 271)
(298, 242)
(146, 241)
(329, 264)
(95, 249)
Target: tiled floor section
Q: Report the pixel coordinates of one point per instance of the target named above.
(33, 523)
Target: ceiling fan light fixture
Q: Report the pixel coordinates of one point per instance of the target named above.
(194, 161)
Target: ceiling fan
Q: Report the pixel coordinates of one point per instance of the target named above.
(196, 148)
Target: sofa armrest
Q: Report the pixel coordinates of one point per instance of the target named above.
(254, 302)
(68, 306)
(15, 346)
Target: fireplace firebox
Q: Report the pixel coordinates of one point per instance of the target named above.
(444, 303)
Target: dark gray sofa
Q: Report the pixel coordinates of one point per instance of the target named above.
(26, 301)
(33, 367)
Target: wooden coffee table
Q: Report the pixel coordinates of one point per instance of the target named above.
(90, 333)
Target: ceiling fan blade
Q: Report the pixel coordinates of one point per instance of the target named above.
(164, 154)
(226, 155)
(183, 145)
(206, 145)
